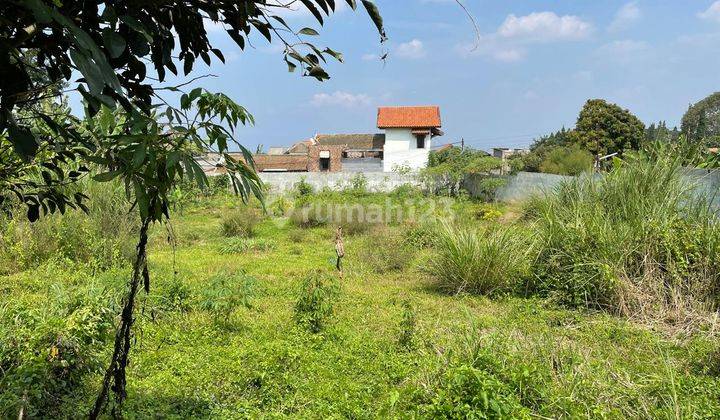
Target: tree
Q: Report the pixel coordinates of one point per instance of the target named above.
(603, 128)
(701, 122)
(130, 131)
(448, 168)
(542, 146)
(564, 160)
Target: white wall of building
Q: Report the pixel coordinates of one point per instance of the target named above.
(401, 150)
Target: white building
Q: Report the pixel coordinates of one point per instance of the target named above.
(408, 135)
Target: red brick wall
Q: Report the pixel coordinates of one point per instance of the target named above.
(335, 157)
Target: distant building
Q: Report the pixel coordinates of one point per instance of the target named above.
(505, 153)
(405, 142)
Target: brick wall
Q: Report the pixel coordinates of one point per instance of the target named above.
(335, 157)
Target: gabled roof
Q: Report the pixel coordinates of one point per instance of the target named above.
(299, 147)
(409, 117)
(352, 141)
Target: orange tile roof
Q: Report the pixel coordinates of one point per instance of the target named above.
(408, 117)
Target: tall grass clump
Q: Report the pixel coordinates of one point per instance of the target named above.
(637, 241)
(483, 261)
(241, 222)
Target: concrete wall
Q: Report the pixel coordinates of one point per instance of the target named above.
(401, 149)
(376, 181)
(362, 165)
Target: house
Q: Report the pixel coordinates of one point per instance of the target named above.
(505, 153)
(405, 142)
(408, 135)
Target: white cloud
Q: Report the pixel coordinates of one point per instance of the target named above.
(625, 16)
(411, 50)
(544, 27)
(712, 12)
(340, 98)
(623, 47)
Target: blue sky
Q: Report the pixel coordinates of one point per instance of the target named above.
(535, 64)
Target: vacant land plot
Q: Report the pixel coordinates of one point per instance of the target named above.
(253, 321)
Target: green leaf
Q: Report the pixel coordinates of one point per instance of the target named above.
(139, 155)
(308, 31)
(374, 13)
(114, 43)
(107, 176)
(23, 141)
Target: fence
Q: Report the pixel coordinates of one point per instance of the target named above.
(281, 182)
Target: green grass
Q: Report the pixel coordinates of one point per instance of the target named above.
(468, 354)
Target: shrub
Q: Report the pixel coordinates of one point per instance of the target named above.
(280, 206)
(225, 292)
(176, 296)
(242, 245)
(303, 188)
(384, 250)
(487, 213)
(637, 241)
(488, 187)
(240, 222)
(480, 261)
(316, 299)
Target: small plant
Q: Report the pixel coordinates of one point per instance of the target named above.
(280, 206)
(176, 297)
(314, 306)
(242, 245)
(358, 184)
(240, 222)
(303, 188)
(488, 213)
(225, 292)
(408, 324)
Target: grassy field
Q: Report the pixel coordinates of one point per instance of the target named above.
(218, 335)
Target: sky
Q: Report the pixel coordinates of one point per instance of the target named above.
(533, 66)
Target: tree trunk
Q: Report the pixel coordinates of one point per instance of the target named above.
(115, 372)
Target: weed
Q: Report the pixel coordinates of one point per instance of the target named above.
(316, 300)
(408, 324)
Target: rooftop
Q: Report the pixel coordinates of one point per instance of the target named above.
(409, 117)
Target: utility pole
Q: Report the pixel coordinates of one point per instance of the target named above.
(462, 143)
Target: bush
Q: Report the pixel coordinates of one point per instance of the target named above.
(240, 222)
(480, 261)
(487, 213)
(488, 187)
(637, 241)
(316, 299)
(303, 188)
(384, 250)
(225, 292)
